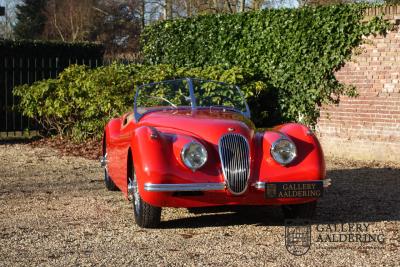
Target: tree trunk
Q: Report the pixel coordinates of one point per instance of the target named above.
(215, 6)
(256, 4)
(142, 13)
(168, 9)
(242, 5)
(189, 8)
(229, 6)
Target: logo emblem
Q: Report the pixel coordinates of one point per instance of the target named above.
(297, 236)
(231, 129)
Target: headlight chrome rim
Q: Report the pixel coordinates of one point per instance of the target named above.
(186, 147)
(273, 152)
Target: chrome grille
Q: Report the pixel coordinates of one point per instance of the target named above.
(234, 153)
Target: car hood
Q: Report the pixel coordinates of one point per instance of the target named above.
(209, 125)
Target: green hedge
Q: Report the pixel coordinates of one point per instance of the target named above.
(31, 48)
(296, 50)
(81, 100)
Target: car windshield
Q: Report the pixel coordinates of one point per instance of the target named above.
(189, 94)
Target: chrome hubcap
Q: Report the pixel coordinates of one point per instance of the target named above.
(133, 192)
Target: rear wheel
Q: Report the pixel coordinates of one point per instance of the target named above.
(300, 211)
(146, 215)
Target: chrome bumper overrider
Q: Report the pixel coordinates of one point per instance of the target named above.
(204, 186)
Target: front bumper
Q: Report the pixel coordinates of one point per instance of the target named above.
(183, 187)
(150, 187)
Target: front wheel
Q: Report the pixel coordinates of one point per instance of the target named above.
(146, 215)
(300, 211)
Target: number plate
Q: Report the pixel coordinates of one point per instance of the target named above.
(294, 190)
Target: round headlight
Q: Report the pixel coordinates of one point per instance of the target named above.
(194, 155)
(283, 151)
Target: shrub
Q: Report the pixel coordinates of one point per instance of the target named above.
(81, 100)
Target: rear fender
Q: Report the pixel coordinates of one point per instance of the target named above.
(111, 131)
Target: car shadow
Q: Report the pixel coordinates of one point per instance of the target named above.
(363, 194)
(356, 195)
(227, 216)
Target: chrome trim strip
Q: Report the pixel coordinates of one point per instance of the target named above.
(183, 187)
(261, 185)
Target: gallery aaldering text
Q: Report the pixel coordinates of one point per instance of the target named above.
(348, 232)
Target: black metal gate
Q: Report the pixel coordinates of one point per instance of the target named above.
(24, 69)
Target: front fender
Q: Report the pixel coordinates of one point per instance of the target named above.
(309, 163)
(156, 157)
(149, 150)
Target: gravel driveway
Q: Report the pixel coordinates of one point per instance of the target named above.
(54, 210)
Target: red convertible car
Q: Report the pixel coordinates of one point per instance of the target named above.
(190, 143)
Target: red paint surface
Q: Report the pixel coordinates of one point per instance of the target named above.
(158, 160)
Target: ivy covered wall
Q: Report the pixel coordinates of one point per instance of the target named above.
(296, 50)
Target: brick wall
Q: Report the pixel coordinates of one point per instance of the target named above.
(368, 126)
